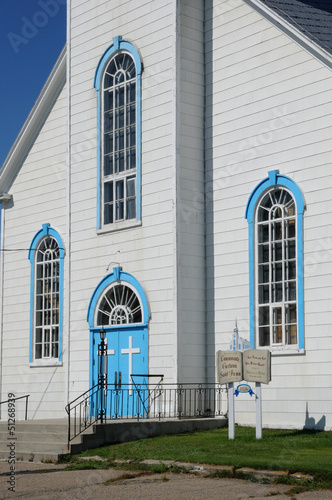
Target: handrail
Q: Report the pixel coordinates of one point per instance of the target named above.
(109, 402)
(15, 399)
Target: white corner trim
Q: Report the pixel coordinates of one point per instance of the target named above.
(34, 122)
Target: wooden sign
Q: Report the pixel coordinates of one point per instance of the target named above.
(253, 365)
(257, 366)
(229, 366)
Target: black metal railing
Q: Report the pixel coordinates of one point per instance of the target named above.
(15, 399)
(141, 401)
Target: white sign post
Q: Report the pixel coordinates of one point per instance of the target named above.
(253, 365)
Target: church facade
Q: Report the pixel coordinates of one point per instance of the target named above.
(171, 179)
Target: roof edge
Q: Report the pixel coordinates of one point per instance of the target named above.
(314, 49)
(34, 122)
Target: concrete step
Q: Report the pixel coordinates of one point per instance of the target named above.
(34, 440)
(44, 441)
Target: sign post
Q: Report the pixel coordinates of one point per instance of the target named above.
(253, 365)
(231, 412)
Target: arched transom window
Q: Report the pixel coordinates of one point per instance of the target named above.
(47, 299)
(276, 269)
(119, 305)
(119, 139)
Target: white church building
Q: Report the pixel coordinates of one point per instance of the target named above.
(173, 177)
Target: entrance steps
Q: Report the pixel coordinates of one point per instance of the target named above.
(34, 440)
(45, 440)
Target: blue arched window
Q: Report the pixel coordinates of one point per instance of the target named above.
(275, 217)
(46, 257)
(118, 85)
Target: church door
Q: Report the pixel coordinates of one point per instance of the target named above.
(120, 312)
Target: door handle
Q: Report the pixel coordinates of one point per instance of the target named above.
(115, 380)
(120, 380)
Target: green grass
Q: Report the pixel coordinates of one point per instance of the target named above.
(294, 451)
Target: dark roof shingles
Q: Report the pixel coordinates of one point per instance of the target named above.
(311, 17)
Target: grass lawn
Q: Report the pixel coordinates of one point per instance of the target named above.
(307, 452)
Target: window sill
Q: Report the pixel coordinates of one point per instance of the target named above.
(110, 228)
(286, 351)
(45, 362)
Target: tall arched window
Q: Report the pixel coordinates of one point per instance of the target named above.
(118, 88)
(274, 213)
(46, 257)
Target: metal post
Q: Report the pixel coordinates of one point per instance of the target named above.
(258, 397)
(102, 373)
(231, 413)
(26, 407)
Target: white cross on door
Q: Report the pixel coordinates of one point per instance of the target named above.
(131, 351)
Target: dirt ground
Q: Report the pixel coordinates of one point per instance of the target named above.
(52, 482)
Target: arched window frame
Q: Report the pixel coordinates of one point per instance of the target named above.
(118, 46)
(46, 230)
(275, 179)
(117, 276)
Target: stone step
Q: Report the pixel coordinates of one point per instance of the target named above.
(34, 436)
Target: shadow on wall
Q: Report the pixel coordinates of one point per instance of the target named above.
(310, 422)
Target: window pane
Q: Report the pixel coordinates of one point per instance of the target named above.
(108, 122)
(277, 334)
(55, 350)
(108, 165)
(277, 292)
(276, 231)
(108, 192)
(290, 312)
(263, 253)
(38, 351)
(131, 208)
(263, 233)
(119, 118)
(277, 251)
(131, 90)
(264, 273)
(131, 138)
(263, 214)
(119, 140)
(119, 97)
(119, 190)
(292, 334)
(38, 335)
(119, 162)
(277, 272)
(264, 316)
(131, 114)
(108, 143)
(108, 100)
(131, 158)
(264, 336)
(264, 295)
(108, 214)
(290, 228)
(108, 81)
(119, 207)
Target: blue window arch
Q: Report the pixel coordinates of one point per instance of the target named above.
(275, 221)
(118, 85)
(46, 255)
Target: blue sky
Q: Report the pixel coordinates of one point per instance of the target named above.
(32, 35)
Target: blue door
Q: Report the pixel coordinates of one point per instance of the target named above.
(119, 307)
(126, 355)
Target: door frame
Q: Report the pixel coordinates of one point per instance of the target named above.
(117, 276)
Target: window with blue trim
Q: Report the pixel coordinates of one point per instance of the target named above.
(275, 213)
(118, 88)
(46, 257)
